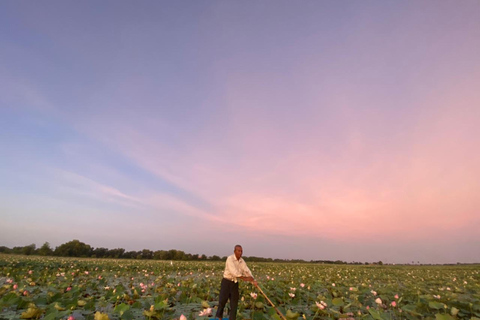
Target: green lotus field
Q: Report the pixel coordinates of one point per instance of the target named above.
(100, 289)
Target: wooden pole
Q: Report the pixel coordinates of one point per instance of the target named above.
(278, 311)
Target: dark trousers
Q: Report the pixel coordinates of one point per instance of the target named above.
(228, 290)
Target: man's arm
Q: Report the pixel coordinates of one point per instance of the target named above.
(249, 276)
(249, 279)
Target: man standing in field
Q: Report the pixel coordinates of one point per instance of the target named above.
(235, 268)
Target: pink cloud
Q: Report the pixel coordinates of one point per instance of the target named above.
(290, 174)
(305, 193)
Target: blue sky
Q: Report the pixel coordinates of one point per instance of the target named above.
(314, 130)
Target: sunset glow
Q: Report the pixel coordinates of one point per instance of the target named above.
(317, 130)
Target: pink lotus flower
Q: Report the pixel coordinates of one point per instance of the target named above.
(15, 286)
(71, 318)
(292, 295)
(393, 304)
(69, 288)
(26, 293)
(396, 296)
(205, 312)
(321, 305)
(378, 301)
(254, 295)
(182, 317)
(86, 272)
(30, 271)
(333, 284)
(302, 285)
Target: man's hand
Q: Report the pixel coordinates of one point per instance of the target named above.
(250, 279)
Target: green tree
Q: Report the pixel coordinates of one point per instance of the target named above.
(100, 252)
(147, 254)
(159, 255)
(74, 248)
(179, 255)
(17, 250)
(5, 249)
(130, 255)
(29, 250)
(116, 253)
(171, 254)
(45, 250)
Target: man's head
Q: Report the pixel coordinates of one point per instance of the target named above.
(238, 251)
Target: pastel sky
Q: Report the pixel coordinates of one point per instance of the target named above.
(318, 130)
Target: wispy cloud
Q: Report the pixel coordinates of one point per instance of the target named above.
(76, 184)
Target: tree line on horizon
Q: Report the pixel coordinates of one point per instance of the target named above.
(76, 248)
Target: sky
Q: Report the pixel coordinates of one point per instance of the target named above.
(315, 130)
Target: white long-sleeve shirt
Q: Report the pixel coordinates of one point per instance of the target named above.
(236, 268)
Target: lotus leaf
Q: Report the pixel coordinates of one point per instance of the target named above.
(58, 307)
(337, 302)
(101, 316)
(32, 312)
(436, 305)
(185, 287)
(292, 315)
(375, 314)
(440, 316)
